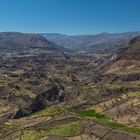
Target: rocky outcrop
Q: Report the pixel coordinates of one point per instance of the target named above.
(52, 96)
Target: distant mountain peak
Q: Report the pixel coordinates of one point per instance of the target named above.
(15, 40)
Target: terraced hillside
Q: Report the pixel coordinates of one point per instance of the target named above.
(64, 96)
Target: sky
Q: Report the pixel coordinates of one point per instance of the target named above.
(69, 16)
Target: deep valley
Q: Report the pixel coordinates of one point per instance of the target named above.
(51, 92)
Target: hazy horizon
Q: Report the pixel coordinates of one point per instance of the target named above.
(68, 34)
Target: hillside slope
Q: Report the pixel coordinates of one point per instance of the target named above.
(120, 80)
(13, 41)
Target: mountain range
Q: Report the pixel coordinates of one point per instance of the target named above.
(88, 43)
(109, 42)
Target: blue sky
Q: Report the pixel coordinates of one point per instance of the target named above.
(70, 16)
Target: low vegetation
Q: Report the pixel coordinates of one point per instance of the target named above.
(106, 121)
(30, 135)
(70, 129)
(133, 94)
(51, 111)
